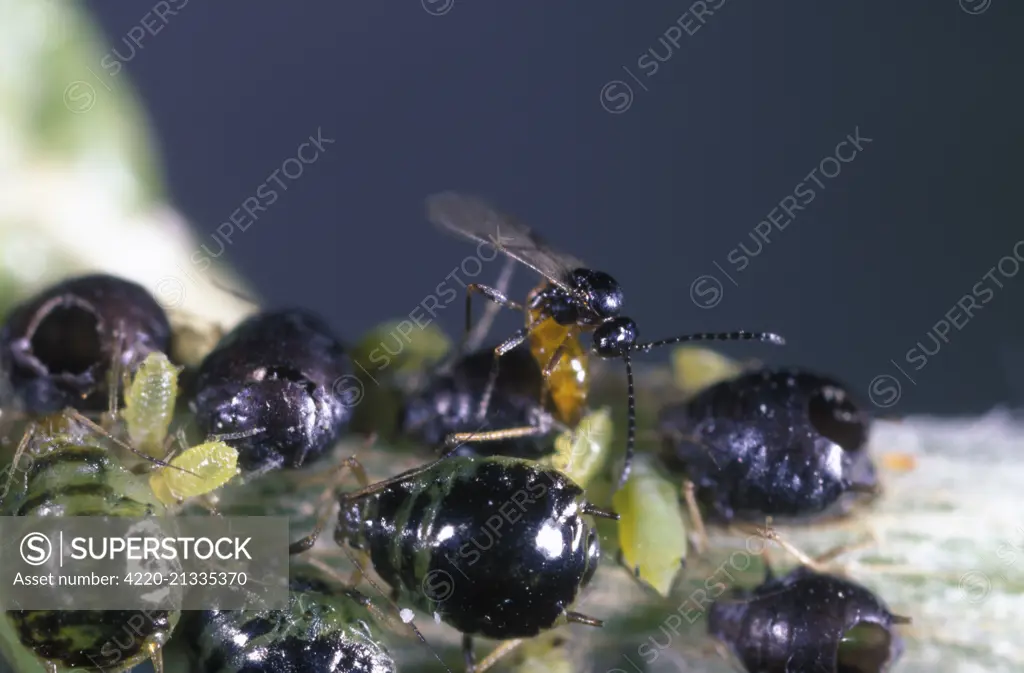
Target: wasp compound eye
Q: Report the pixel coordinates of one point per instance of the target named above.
(278, 379)
(57, 347)
(614, 337)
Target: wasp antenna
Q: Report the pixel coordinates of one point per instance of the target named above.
(741, 335)
(583, 619)
(588, 508)
(627, 463)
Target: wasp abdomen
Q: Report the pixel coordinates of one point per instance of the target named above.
(495, 546)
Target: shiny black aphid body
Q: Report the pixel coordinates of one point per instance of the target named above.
(278, 372)
(448, 404)
(57, 348)
(807, 622)
(324, 630)
(497, 547)
(784, 443)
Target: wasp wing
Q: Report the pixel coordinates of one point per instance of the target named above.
(474, 219)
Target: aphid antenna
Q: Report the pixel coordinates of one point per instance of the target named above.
(234, 292)
(741, 335)
(368, 604)
(76, 416)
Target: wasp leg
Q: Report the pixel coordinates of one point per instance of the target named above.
(504, 347)
(498, 653)
(493, 295)
(472, 340)
(695, 516)
(326, 502)
(571, 334)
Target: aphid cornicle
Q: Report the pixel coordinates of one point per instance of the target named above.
(276, 372)
(807, 622)
(57, 347)
(784, 443)
(326, 629)
(70, 474)
(495, 547)
(573, 299)
(446, 407)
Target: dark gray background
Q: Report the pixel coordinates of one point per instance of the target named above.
(503, 99)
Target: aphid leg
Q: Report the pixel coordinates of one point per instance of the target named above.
(689, 495)
(457, 438)
(768, 533)
(831, 555)
(116, 378)
(483, 325)
(493, 295)
(504, 347)
(467, 653)
(498, 653)
(22, 445)
(76, 416)
(579, 618)
(325, 503)
(592, 510)
(156, 655)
